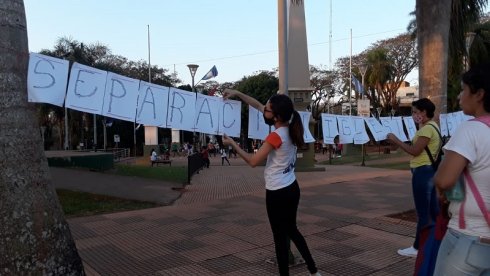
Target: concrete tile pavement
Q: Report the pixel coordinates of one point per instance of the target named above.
(219, 226)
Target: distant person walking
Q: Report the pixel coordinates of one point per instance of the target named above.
(282, 190)
(224, 157)
(205, 156)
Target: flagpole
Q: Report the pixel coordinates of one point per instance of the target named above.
(330, 40)
(350, 75)
(149, 64)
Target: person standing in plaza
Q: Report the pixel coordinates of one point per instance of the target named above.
(205, 156)
(282, 190)
(423, 190)
(224, 157)
(465, 249)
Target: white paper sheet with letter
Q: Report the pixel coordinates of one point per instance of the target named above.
(443, 124)
(410, 126)
(46, 79)
(121, 96)
(346, 129)
(152, 105)
(394, 125)
(230, 113)
(329, 128)
(257, 128)
(181, 109)
(86, 89)
(361, 136)
(457, 119)
(305, 119)
(377, 130)
(207, 114)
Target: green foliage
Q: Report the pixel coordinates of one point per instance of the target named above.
(77, 204)
(261, 87)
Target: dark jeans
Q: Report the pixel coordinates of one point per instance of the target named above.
(223, 161)
(282, 206)
(424, 197)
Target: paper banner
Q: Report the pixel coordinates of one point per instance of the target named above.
(120, 100)
(230, 117)
(46, 79)
(305, 119)
(329, 128)
(152, 105)
(86, 89)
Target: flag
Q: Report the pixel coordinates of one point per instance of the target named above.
(211, 74)
(357, 85)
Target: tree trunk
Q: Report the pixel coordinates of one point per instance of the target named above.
(433, 21)
(34, 236)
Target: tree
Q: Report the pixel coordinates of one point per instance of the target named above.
(398, 59)
(34, 236)
(324, 84)
(389, 62)
(261, 87)
(440, 29)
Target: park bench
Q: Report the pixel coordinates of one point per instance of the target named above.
(162, 160)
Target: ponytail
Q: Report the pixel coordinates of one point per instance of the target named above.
(296, 130)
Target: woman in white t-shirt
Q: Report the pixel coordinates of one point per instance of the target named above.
(153, 156)
(465, 249)
(282, 190)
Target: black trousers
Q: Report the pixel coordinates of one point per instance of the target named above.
(282, 206)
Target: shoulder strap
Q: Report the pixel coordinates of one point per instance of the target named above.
(478, 198)
(438, 132)
(431, 157)
(474, 189)
(483, 119)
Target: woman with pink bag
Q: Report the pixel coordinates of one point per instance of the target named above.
(465, 249)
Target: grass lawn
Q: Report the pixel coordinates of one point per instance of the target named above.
(165, 173)
(77, 204)
(373, 160)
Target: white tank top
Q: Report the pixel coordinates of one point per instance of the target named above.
(279, 169)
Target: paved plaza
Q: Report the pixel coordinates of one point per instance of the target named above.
(219, 225)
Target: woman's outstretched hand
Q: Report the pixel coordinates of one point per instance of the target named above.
(227, 140)
(230, 93)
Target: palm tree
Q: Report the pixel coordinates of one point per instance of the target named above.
(34, 236)
(440, 28)
(433, 20)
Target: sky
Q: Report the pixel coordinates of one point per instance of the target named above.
(240, 37)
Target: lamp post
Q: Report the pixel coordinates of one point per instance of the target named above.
(362, 70)
(66, 143)
(469, 37)
(193, 70)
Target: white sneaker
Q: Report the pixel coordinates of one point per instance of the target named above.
(408, 252)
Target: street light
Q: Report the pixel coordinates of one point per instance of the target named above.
(363, 69)
(193, 70)
(469, 37)
(379, 109)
